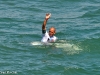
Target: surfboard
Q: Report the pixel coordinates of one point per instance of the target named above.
(58, 44)
(62, 44)
(37, 43)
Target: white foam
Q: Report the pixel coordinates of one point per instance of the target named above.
(67, 47)
(36, 43)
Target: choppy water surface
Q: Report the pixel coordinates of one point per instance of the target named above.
(77, 50)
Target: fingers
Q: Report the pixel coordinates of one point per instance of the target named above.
(48, 14)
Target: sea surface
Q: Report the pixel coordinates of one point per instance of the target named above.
(77, 50)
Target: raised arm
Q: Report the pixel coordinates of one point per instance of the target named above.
(45, 21)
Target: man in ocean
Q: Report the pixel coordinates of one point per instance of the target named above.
(48, 37)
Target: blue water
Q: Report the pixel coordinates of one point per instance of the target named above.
(77, 24)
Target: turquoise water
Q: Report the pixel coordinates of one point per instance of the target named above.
(77, 50)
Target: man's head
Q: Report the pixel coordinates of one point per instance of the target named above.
(52, 31)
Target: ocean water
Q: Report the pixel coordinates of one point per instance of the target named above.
(77, 50)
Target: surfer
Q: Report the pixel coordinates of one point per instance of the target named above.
(48, 37)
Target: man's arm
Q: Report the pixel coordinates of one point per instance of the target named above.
(45, 21)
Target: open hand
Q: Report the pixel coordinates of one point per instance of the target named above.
(48, 15)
